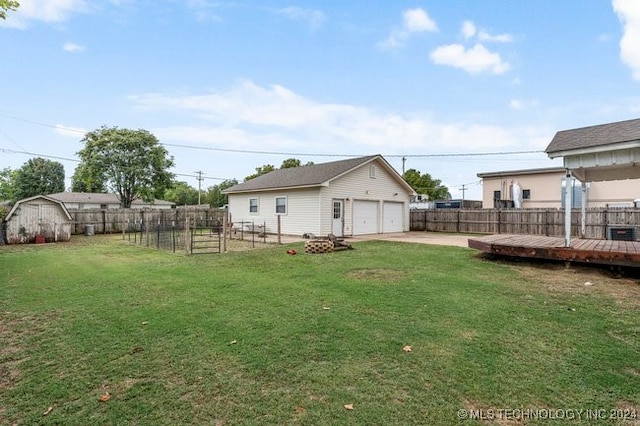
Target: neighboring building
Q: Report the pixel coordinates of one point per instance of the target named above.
(38, 219)
(89, 200)
(543, 188)
(357, 196)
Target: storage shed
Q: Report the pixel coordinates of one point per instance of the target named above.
(38, 219)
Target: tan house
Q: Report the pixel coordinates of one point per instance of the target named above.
(364, 195)
(89, 200)
(543, 188)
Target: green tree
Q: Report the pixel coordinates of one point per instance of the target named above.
(425, 184)
(38, 176)
(182, 194)
(7, 190)
(132, 163)
(214, 196)
(87, 178)
(261, 171)
(6, 5)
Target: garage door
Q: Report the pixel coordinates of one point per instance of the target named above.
(365, 217)
(392, 217)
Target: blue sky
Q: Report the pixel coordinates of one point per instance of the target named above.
(229, 86)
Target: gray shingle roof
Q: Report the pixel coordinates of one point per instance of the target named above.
(312, 175)
(594, 136)
(97, 198)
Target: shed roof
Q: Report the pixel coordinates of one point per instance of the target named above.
(309, 176)
(35, 197)
(594, 136)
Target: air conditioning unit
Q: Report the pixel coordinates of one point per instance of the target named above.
(621, 233)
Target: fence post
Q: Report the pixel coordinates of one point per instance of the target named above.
(187, 236)
(279, 229)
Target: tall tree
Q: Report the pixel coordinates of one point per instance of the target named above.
(6, 5)
(261, 171)
(7, 184)
(132, 163)
(38, 176)
(214, 195)
(425, 184)
(182, 194)
(87, 179)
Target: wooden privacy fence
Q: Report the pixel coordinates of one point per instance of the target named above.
(109, 221)
(547, 222)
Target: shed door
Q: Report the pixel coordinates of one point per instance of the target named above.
(337, 221)
(365, 217)
(392, 217)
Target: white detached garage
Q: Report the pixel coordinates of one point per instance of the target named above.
(357, 196)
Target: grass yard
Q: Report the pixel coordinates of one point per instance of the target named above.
(262, 337)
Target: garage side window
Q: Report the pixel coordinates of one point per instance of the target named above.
(253, 205)
(281, 205)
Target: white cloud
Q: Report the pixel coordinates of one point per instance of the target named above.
(418, 20)
(468, 29)
(628, 12)
(49, 11)
(520, 104)
(474, 60)
(276, 118)
(72, 47)
(314, 18)
(414, 21)
(500, 38)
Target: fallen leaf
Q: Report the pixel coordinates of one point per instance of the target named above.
(349, 406)
(300, 410)
(137, 349)
(326, 308)
(407, 348)
(233, 342)
(47, 411)
(105, 397)
(588, 283)
(145, 322)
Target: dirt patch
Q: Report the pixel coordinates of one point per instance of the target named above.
(556, 277)
(377, 274)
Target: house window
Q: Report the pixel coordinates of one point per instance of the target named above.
(526, 194)
(372, 171)
(496, 195)
(281, 205)
(104, 206)
(253, 205)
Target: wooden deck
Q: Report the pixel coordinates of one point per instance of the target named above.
(605, 252)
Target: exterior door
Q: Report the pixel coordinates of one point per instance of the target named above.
(337, 221)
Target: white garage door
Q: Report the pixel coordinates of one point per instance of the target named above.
(392, 217)
(365, 217)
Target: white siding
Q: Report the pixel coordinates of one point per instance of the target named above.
(302, 216)
(311, 210)
(38, 217)
(358, 185)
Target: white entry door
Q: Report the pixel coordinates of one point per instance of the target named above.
(337, 222)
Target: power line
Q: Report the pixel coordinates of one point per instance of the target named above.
(297, 154)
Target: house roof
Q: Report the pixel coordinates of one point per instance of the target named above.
(521, 172)
(44, 197)
(594, 136)
(309, 176)
(97, 198)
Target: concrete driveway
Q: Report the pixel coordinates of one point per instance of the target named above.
(420, 237)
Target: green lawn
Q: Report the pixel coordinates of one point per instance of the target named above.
(262, 337)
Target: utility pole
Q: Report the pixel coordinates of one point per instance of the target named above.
(200, 179)
(404, 160)
(463, 189)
